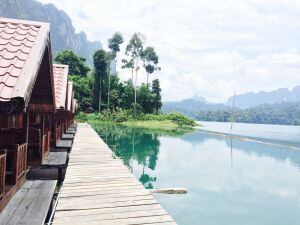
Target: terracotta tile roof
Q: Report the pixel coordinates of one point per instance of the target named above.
(22, 44)
(70, 96)
(60, 74)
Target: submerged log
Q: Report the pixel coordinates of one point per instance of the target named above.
(170, 190)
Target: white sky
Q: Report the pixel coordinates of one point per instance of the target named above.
(206, 48)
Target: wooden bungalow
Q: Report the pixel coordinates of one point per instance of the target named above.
(60, 73)
(27, 100)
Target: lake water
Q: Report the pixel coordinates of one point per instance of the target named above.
(278, 134)
(229, 181)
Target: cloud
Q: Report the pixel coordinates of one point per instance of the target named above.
(208, 48)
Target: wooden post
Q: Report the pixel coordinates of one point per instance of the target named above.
(25, 127)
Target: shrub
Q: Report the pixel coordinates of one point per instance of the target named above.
(120, 116)
(181, 120)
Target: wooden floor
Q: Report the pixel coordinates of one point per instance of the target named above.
(63, 143)
(55, 160)
(99, 189)
(67, 136)
(30, 204)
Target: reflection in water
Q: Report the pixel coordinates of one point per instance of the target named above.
(134, 144)
(231, 152)
(229, 181)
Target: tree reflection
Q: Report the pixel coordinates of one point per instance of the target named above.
(133, 144)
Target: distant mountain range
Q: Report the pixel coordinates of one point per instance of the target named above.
(63, 34)
(252, 99)
(243, 101)
(276, 107)
(194, 104)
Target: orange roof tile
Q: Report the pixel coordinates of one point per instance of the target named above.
(60, 74)
(22, 44)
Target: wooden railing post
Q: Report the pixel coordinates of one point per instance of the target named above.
(20, 162)
(16, 164)
(2, 172)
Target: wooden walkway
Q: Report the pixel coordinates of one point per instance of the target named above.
(100, 190)
(30, 205)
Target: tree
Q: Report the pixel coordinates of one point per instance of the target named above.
(114, 46)
(77, 65)
(101, 61)
(82, 91)
(127, 94)
(134, 50)
(150, 60)
(157, 96)
(128, 64)
(145, 98)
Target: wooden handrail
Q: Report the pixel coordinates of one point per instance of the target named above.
(20, 161)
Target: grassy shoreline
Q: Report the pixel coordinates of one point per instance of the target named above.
(164, 122)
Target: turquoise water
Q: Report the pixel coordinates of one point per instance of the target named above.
(281, 134)
(229, 181)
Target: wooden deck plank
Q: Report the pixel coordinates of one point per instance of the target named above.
(84, 206)
(55, 159)
(67, 136)
(11, 207)
(110, 216)
(60, 214)
(110, 193)
(121, 221)
(64, 144)
(30, 204)
(71, 131)
(99, 189)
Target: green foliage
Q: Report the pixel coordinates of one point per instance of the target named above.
(181, 120)
(157, 104)
(150, 60)
(77, 65)
(114, 44)
(101, 60)
(145, 98)
(121, 100)
(78, 71)
(134, 50)
(127, 94)
(135, 46)
(120, 115)
(280, 113)
(82, 91)
(128, 64)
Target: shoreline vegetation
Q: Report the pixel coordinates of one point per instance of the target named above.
(106, 99)
(161, 122)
